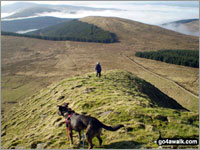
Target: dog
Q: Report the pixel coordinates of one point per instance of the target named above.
(79, 122)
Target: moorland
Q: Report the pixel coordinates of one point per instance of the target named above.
(34, 69)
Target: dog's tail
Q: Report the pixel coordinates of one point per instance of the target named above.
(111, 128)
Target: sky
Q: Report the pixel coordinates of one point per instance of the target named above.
(150, 12)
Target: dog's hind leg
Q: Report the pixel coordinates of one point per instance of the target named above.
(89, 136)
(79, 133)
(99, 137)
(100, 140)
(89, 139)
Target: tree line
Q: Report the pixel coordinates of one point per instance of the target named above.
(179, 57)
(75, 30)
(70, 31)
(85, 39)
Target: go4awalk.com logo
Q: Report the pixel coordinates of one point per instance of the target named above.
(176, 141)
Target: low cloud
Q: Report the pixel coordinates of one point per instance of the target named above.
(181, 28)
(146, 12)
(155, 13)
(26, 31)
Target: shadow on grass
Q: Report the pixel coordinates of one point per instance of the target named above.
(123, 145)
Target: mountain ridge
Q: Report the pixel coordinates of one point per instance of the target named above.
(135, 31)
(117, 97)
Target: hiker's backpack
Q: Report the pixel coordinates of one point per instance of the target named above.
(98, 67)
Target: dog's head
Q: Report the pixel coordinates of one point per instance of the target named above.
(64, 110)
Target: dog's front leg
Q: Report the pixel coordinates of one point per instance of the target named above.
(71, 136)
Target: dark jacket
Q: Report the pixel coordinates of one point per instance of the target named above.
(98, 68)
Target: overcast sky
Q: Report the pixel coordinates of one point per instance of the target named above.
(151, 12)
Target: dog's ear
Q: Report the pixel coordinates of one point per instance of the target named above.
(70, 110)
(66, 105)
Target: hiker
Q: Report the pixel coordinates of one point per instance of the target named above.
(98, 69)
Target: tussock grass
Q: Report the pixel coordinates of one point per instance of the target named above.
(117, 97)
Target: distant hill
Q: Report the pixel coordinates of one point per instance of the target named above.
(32, 11)
(77, 31)
(30, 23)
(182, 21)
(119, 97)
(148, 37)
(16, 7)
(23, 9)
(188, 26)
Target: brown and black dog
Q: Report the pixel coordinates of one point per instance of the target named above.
(79, 122)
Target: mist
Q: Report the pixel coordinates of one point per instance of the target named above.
(154, 13)
(181, 29)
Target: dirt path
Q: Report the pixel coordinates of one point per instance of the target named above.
(157, 75)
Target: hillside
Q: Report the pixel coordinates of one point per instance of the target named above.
(29, 65)
(117, 97)
(76, 31)
(188, 26)
(148, 37)
(30, 23)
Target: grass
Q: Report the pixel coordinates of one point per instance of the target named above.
(115, 98)
(184, 76)
(38, 63)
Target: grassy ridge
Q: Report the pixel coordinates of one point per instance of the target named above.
(117, 97)
(180, 57)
